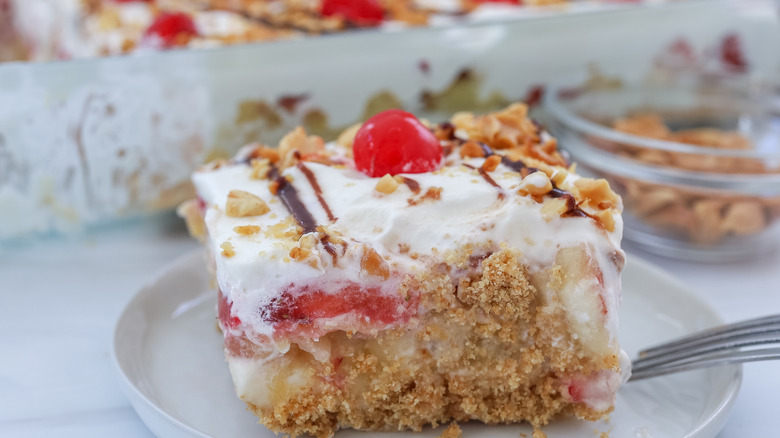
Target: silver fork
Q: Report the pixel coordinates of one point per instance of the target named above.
(728, 344)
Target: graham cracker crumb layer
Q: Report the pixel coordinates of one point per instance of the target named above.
(491, 348)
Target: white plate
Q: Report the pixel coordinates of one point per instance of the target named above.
(171, 365)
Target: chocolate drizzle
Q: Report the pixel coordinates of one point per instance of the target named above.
(517, 166)
(448, 129)
(289, 196)
(486, 150)
(413, 185)
(492, 182)
(317, 190)
(330, 249)
(488, 179)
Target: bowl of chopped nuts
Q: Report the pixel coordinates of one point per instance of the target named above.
(698, 167)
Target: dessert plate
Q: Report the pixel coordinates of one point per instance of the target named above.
(168, 352)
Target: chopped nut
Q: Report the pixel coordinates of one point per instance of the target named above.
(646, 125)
(596, 193)
(264, 152)
(491, 163)
(273, 187)
(247, 230)
(675, 215)
(332, 237)
(243, 204)
(373, 264)
(297, 145)
(227, 249)
(260, 168)
(554, 207)
(649, 201)
(286, 229)
(708, 219)
(193, 218)
(109, 19)
(535, 184)
(298, 253)
(744, 217)
(559, 177)
(714, 138)
(606, 219)
(471, 149)
(387, 184)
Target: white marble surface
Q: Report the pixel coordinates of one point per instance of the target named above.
(59, 300)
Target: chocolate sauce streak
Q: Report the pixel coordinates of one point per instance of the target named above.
(329, 248)
(486, 149)
(517, 166)
(317, 190)
(289, 196)
(413, 185)
(292, 201)
(492, 182)
(449, 130)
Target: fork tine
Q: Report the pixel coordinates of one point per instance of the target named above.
(722, 358)
(702, 349)
(764, 325)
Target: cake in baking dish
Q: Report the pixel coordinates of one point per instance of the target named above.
(66, 29)
(410, 274)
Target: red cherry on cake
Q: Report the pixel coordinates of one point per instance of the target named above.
(170, 29)
(364, 12)
(394, 142)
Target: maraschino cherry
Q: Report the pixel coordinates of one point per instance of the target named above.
(362, 12)
(394, 142)
(170, 29)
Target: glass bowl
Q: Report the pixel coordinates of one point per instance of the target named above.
(716, 200)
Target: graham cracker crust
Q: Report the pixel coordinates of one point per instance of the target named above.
(491, 348)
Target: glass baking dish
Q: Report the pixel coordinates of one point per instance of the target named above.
(89, 142)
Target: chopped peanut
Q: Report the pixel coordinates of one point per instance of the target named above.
(387, 184)
(374, 265)
(260, 168)
(243, 204)
(471, 149)
(491, 163)
(227, 249)
(247, 230)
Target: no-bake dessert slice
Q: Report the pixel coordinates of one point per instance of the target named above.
(410, 274)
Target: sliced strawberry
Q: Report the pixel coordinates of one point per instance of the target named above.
(224, 312)
(303, 306)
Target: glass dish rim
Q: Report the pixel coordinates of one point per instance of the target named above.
(562, 114)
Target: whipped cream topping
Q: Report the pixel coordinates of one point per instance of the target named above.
(400, 227)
